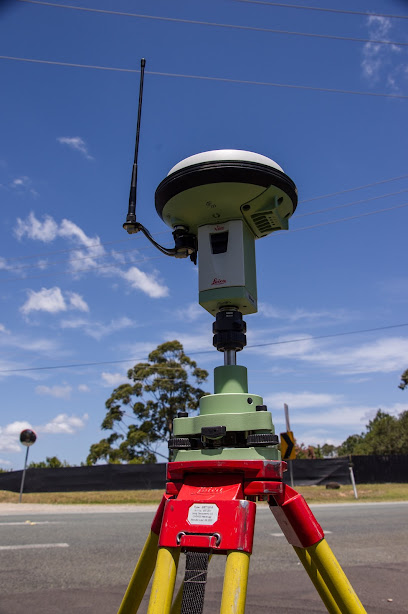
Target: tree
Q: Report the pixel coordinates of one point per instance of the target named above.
(158, 390)
(350, 446)
(51, 462)
(404, 380)
(385, 434)
(329, 450)
(309, 452)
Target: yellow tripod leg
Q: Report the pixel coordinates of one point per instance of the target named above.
(338, 586)
(235, 583)
(317, 580)
(164, 581)
(141, 576)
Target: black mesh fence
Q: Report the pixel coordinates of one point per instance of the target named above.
(101, 477)
(367, 469)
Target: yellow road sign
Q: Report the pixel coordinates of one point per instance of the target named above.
(288, 446)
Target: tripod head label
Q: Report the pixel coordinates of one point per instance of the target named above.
(203, 513)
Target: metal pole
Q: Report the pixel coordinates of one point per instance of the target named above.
(352, 478)
(230, 357)
(23, 477)
(286, 408)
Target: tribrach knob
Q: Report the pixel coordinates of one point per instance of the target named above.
(262, 439)
(179, 443)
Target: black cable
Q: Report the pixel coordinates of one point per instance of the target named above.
(218, 25)
(134, 360)
(322, 9)
(204, 78)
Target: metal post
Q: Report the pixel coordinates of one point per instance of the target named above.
(352, 477)
(23, 477)
(286, 408)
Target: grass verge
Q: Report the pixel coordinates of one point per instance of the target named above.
(312, 494)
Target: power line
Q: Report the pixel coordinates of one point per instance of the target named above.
(217, 25)
(95, 245)
(258, 345)
(114, 264)
(347, 219)
(361, 187)
(356, 202)
(322, 9)
(204, 78)
(143, 248)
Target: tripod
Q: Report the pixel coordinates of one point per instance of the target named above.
(209, 505)
(209, 508)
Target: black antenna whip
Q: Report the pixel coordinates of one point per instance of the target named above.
(131, 225)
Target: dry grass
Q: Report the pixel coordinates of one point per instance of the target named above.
(345, 494)
(312, 494)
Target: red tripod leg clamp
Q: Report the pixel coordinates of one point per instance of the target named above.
(295, 518)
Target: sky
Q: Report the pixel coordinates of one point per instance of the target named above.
(75, 289)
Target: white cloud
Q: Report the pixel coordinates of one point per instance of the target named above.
(64, 424)
(77, 302)
(145, 282)
(380, 356)
(19, 181)
(301, 400)
(4, 330)
(10, 436)
(299, 314)
(77, 143)
(97, 330)
(89, 258)
(61, 424)
(191, 312)
(45, 231)
(23, 184)
(386, 63)
(23, 342)
(112, 380)
(51, 300)
(83, 388)
(59, 392)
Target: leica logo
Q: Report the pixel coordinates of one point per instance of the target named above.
(218, 228)
(217, 281)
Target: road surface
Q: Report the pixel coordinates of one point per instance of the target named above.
(78, 559)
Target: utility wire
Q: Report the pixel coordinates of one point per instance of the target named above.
(347, 219)
(361, 187)
(115, 264)
(73, 249)
(258, 345)
(217, 25)
(322, 9)
(204, 78)
(143, 248)
(356, 202)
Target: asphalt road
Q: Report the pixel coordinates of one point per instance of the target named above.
(79, 561)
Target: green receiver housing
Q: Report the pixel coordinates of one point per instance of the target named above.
(227, 199)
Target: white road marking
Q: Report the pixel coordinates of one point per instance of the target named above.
(282, 535)
(28, 546)
(29, 523)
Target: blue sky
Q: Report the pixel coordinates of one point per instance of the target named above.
(75, 288)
